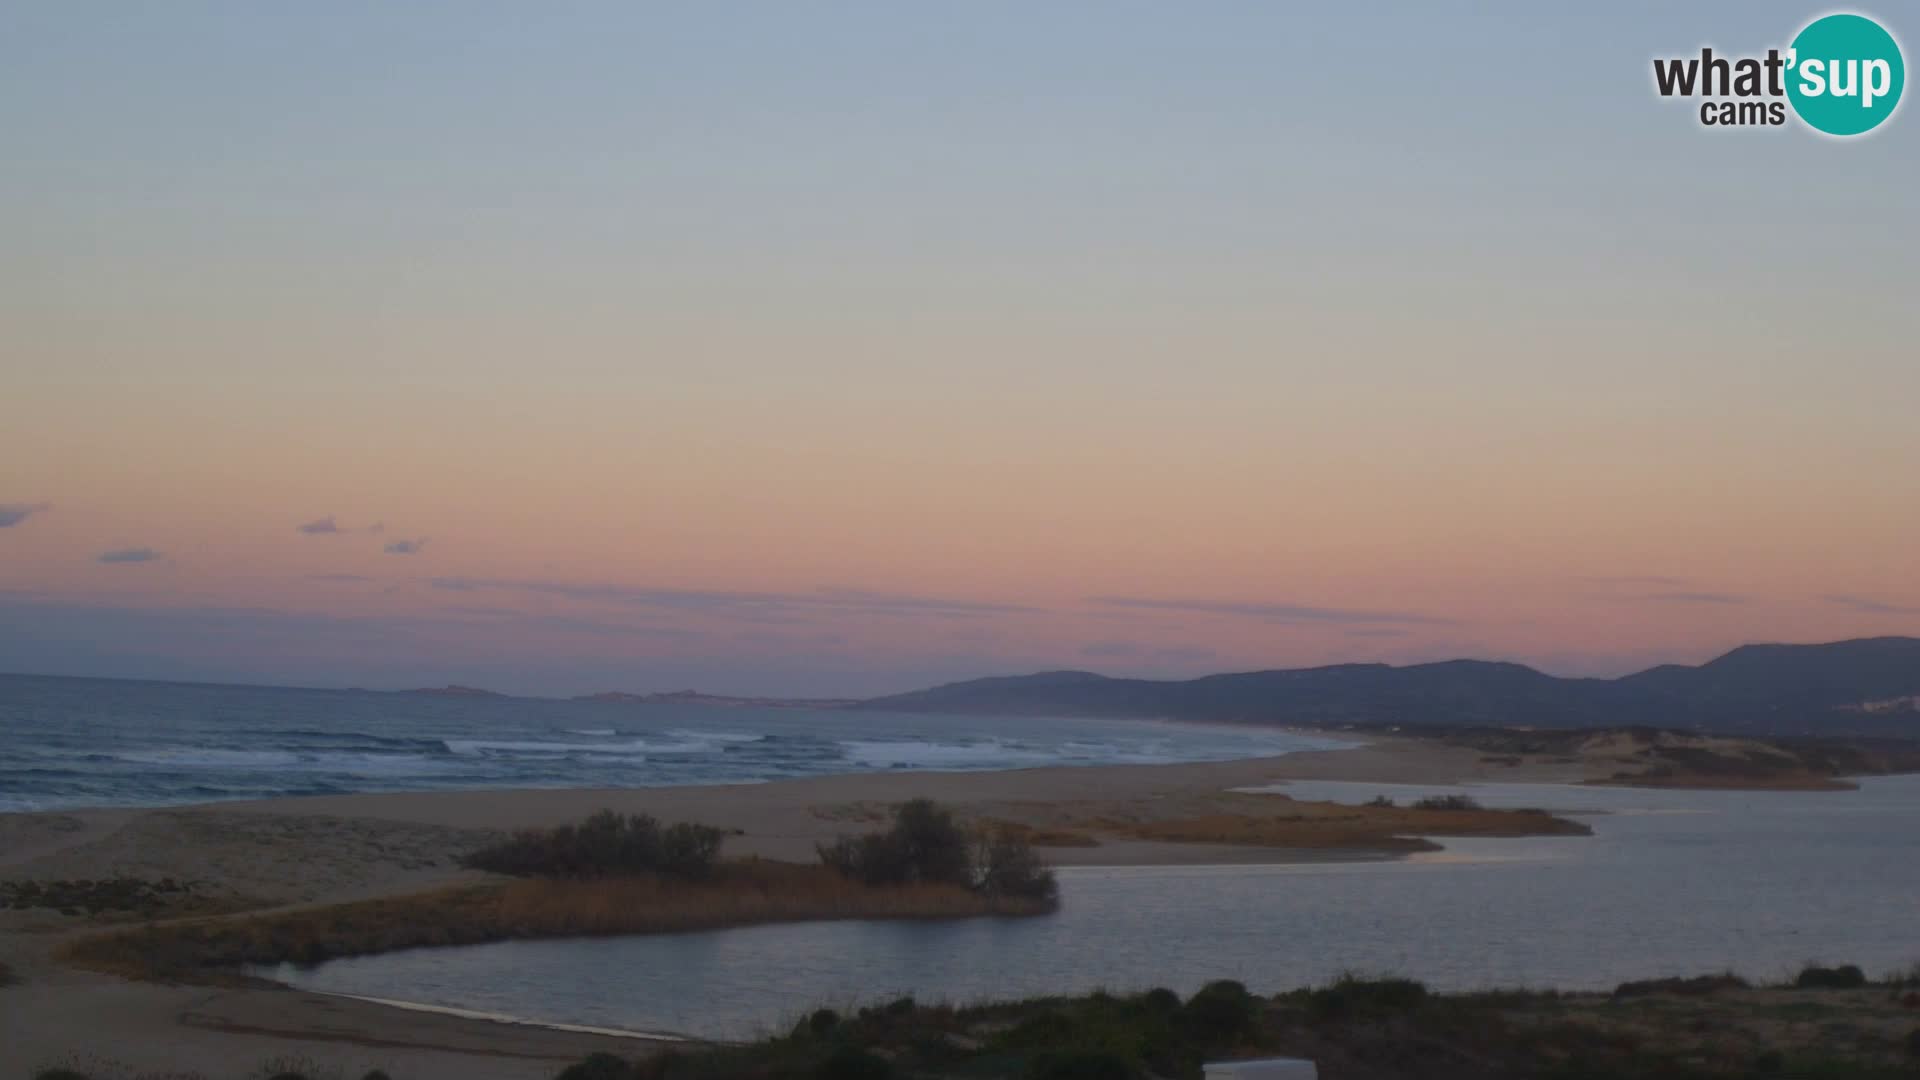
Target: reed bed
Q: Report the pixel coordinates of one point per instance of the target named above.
(740, 893)
(1332, 825)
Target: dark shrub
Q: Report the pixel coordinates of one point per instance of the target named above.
(1769, 1062)
(606, 844)
(1349, 997)
(1220, 1013)
(1844, 977)
(1380, 801)
(376, 1074)
(1692, 987)
(924, 844)
(59, 1074)
(1447, 802)
(932, 846)
(688, 850)
(1008, 866)
(1160, 1000)
(1081, 1065)
(1913, 1043)
(822, 1021)
(853, 1063)
(601, 1066)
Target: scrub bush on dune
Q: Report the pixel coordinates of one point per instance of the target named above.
(925, 845)
(606, 844)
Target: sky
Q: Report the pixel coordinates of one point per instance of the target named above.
(842, 349)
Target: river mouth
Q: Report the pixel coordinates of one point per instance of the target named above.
(1671, 883)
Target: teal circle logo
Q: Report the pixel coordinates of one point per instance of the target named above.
(1845, 74)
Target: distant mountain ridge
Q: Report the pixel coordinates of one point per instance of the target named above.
(1863, 687)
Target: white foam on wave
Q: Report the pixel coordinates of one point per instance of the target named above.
(716, 736)
(358, 764)
(491, 747)
(916, 754)
(592, 731)
(553, 748)
(196, 758)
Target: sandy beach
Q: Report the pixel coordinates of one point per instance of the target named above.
(306, 851)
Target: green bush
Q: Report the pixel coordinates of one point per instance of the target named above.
(1844, 977)
(604, 845)
(1220, 1013)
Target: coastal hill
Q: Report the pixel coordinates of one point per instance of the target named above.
(1864, 687)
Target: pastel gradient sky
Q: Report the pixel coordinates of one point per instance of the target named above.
(838, 349)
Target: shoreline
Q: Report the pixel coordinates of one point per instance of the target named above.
(291, 853)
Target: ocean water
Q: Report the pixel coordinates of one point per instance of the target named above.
(1671, 883)
(89, 742)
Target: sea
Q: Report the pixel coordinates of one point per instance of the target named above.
(67, 743)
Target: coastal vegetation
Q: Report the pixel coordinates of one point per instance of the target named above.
(609, 875)
(1354, 1028)
(1714, 1027)
(924, 845)
(606, 844)
(1268, 820)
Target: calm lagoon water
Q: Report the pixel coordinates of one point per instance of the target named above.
(1671, 882)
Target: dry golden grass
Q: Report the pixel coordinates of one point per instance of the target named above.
(742, 893)
(1040, 835)
(1336, 825)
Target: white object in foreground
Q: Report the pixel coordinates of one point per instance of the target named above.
(1263, 1069)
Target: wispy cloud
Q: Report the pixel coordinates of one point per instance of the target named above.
(338, 579)
(826, 598)
(1870, 605)
(1134, 650)
(1696, 598)
(1276, 612)
(130, 555)
(319, 527)
(12, 514)
(407, 547)
(1638, 581)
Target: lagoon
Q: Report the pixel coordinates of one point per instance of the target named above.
(1671, 882)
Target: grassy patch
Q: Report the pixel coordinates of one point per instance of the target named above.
(735, 894)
